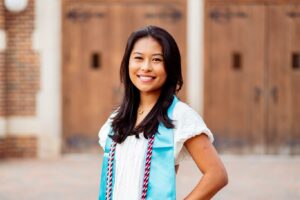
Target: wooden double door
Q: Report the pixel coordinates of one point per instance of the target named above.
(94, 38)
(252, 76)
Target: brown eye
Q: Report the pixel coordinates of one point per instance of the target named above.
(138, 58)
(157, 59)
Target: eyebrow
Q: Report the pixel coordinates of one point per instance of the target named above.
(155, 54)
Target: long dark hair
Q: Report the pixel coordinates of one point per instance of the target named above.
(123, 123)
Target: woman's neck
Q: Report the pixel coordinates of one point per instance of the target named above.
(147, 101)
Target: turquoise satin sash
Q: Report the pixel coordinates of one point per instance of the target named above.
(104, 169)
(162, 180)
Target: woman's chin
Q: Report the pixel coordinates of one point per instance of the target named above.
(149, 91)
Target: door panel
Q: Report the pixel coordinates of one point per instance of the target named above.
(283, 134)
(234, 81)
(87, 84)
(94, 39)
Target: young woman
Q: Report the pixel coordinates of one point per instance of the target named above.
(152, 131)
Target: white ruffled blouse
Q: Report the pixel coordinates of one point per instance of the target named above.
(130, 155)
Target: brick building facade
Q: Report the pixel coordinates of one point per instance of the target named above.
(31, 65)
(19, 77)
(30, 80)
(54, 42)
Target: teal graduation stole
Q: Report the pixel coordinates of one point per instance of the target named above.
(162, 177)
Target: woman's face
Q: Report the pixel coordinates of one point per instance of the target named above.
(146, 66)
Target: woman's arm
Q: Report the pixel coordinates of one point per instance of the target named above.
(207, 159)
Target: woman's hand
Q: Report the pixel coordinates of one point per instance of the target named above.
(207, 159)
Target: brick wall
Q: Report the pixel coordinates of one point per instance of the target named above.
(2, 65)
(18, 147)
(21, 63)
(19, 78)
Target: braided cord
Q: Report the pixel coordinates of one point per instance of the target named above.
(146, 171)
(147, 167)
(109, 174)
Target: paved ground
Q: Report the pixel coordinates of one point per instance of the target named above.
(76, 177)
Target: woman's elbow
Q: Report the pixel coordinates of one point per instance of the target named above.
(223, 178)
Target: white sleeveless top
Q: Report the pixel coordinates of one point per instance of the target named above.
(130, 155)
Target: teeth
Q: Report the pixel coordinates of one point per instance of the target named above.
(146, 78)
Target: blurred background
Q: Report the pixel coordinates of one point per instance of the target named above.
(59, 81)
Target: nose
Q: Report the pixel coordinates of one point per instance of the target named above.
(146, 66)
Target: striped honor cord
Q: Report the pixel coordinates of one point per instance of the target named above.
(109, 174)
(146, 172)
(147, 167)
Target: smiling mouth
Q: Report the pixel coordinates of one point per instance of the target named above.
(145, 78)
